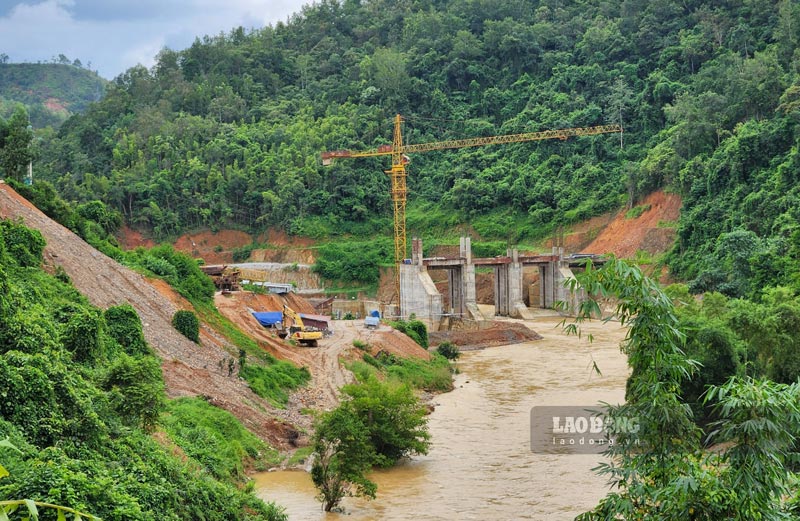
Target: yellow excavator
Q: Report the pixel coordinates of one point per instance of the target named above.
(294, 329)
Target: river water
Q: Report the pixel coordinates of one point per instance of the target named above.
(480, 465)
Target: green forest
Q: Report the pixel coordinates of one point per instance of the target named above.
(228, 132)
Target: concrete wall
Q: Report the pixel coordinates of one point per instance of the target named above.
(419, 296)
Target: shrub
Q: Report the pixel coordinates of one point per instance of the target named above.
(187, 323)
(448, 350)
(243, 253)
(22, 244)
(82, 335)
(415, 330)
(124, 326)
(136, 390)
(159, 266)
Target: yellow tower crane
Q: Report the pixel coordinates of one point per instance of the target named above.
(399, 152)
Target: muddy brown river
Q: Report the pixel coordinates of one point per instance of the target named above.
(480, 465)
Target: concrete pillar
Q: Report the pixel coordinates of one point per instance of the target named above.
(501, 290)
(455, 285)
(468, 291)
(418, 293)
(416, 251)
(514, 280)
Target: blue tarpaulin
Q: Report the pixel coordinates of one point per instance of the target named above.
(375, 313)
(268, 318)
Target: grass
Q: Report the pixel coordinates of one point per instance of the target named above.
(267, 376)
(215, 440)
(636, 211)
(433, 375)
(300, 456)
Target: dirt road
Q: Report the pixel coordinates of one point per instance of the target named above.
(324, 362)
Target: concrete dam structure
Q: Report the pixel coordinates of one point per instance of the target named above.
(420, 297)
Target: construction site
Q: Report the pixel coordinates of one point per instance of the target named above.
(279, 301)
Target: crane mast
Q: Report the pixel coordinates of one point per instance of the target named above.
(398, 173)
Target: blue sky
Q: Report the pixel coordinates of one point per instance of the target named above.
(114, 35)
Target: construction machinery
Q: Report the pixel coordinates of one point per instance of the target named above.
(294, 329)
(399, 152)
(226, 278)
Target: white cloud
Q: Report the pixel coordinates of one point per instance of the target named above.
(117, 34)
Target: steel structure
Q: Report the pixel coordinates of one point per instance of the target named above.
(399, 152)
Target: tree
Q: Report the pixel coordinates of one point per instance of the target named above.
(760, 419)
(659, 469)
(376, 424)
(619, 99)
(343, 455)
(16, 152)
(393, 417)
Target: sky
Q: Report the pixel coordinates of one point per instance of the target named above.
(110, 36)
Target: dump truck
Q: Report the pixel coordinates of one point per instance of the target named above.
(294, 329)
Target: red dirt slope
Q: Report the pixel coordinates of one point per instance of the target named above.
(624, 237)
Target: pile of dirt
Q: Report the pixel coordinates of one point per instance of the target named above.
(499, 333)
(393, 342)
(189, 369)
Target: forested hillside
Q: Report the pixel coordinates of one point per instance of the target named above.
(51, 92)
(228, 132)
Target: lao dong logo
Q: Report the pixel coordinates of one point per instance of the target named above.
(578, 430)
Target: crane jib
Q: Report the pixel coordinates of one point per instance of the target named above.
(561, 134)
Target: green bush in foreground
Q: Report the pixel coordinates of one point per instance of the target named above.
(214, 438)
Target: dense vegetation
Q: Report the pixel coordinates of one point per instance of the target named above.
(50, 92)
(228, 132)
(94, 222)
(660, 469)
(82, 392)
